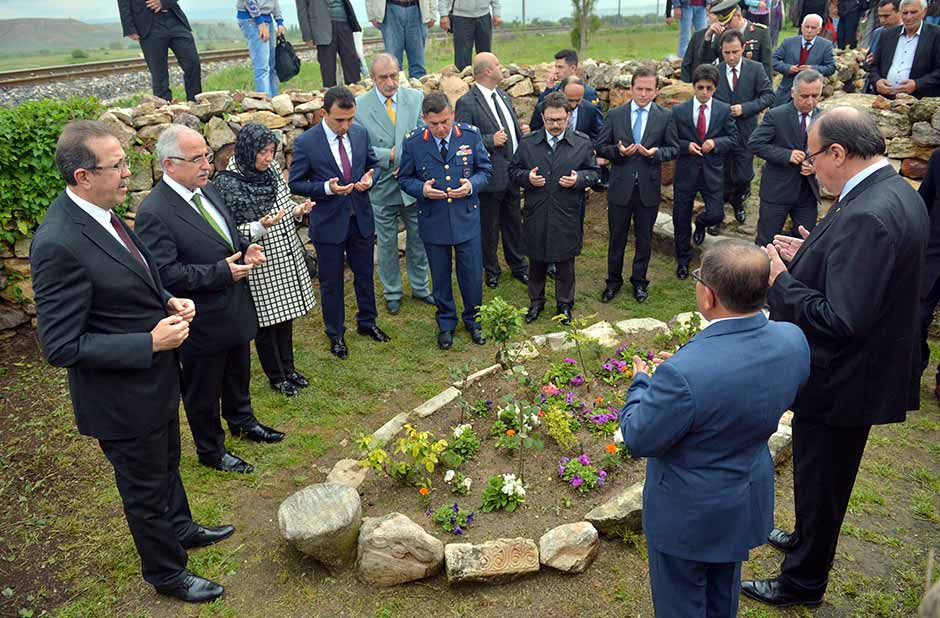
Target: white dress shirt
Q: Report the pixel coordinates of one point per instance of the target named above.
(646, 117)
(854, 181)
(903, 57)
(510, 130)
(333, 140)
(708, 113)
(187, 196)
(99, 214)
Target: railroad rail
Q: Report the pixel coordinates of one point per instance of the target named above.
(45, 75)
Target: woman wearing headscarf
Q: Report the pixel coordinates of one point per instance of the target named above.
(255, 192)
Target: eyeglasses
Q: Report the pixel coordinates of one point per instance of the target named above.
(554, 120)
(811, 159)
(697, 276)
(119, 167)
(207, 157)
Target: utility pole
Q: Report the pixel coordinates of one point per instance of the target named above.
(523, 14)
(619, 14)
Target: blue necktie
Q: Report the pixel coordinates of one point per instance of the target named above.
(638, 126)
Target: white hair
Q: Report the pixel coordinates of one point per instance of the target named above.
(814, 15)
(922, 3)
(168, 144)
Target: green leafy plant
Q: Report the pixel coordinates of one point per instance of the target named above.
(452, 519)
(680, 333)
(580, 474)
(501, 322)
(561, 374)
(574, 332)
(503, 493)
(421, 455)
(465, 442)
(562, 427)
(615, 455)
(459, 483)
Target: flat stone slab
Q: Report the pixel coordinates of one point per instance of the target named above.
(394, 550)
(570, 547)
(556, 341)
(491, 562)
(390, 429)
(322, 521)
(684, 318)
(603, 333)
(619, 513)
(477, 376)
(781, 444)
(524, 350)
(348, 472)
(437, 402)
(642, 325)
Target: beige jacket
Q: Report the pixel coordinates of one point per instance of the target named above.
(375, 10)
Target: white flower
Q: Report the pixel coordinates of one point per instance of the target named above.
(448, 476)
(467, 482)
(459, 429)
(520, 490)
(512, 486)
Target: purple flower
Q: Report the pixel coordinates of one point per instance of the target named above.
(607, 366)
(458, 530)
(569, 398)
(561, 470)
(453, 519)
(455, 508)
(583, 460)
(428, 512)
(602, 474)
(469, 519)
(578, 380)
(620, 350)
(577, 481)
(565, 460)
(570, 361)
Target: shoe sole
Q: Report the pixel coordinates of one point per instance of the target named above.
(786, 604)
(779, 547)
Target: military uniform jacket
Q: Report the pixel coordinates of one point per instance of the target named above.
(757, 47)
(447, 221)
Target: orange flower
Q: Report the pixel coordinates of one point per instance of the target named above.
(510, 432)
(611, 448)
(541, 412)
(423, 491)
(598, 400)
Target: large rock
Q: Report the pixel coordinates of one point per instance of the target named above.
(394, 550)
(637, 326)
(674, 93)
(686, 317)
(891, 123)
(437, 402)
(308, 107)
(781, 444)
(522, 88)
(218, 133)
(923, 110)
(913, 168)
(603, 333)
(391, 428)
(491, 562)
(924, 134)
(126, 135)
(569, 547)
(348, 472)
(282, 105)
(454, 88)
(268, 119)
(901, 148)
(256, 105)
(136, 199)
(619, 96)
(19, 266)
(155, 118)
(322, 521)
(151, 133)
(21, 247)
(218, 102)
(187, 119)
(20, 292)
(10, 317)
(622, 512)
(930, 604)
(141, 178)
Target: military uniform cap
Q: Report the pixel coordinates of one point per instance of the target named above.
(723, 7)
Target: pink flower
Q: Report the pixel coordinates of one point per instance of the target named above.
(583, 460)
(576, 481)
(550, 389)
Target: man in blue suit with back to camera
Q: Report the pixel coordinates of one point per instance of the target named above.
(445, 166)
(704, 426)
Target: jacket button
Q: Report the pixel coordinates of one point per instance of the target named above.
(446, 177)
(446, 167)
(450, 200)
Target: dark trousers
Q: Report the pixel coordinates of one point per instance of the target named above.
(500, 214)
(564, 282)
(713, 214)
(690, 589)
(168, 32)
(470, 31)
(469, 280)
(928, 303)
(343, 44)
(207, 380)
(618, 222)
(146, 470)
(275, 346)
(773, 216)
(739, 172)
(825, 463)
(331, 259)
(847, 32)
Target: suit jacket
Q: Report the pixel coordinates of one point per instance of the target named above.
(96, 306)
(777, 136)
(693, 55)
(659, 133)
(787, 55)
(853, 288)
(312, 164)
(757, 47)
(754, 93)
(136, 18)
(314, 18)
(926, 68)
(590, 94)
(472, 108)
(384, 136)
(704, 426)
(191, 257)
(589, 119)
(721, 128)
(930, 193)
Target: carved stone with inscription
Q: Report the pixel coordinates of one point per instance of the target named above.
(491, 562)
(394, 550)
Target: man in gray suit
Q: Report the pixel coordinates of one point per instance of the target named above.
(330, 24)
(390, 112)
(806, 50)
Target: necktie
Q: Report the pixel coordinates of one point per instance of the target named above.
(804, 53)
(638, 126)
(553, 142)
(444, 149)
(344, 159)
(571, 120)
(390, 110)
(197, 200)
(503, 123)
(128, 243)
(803, 127)
(700, 126)
(734, 78)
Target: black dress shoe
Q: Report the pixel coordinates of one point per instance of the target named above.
(608, 294)
(698, 236)
(203, 536)
(713, 230)
(521, 276)
(193, 589)
(393, 306)
(532, 314)
(640, 293)
(285, 387)
(427, 300)
(782, 540)
(445, 339)
(773, 592)
(551, 270)
(297, 379)
(258, 433)
(565, 311)
(476, 334)
(740, 214)
(338, 347)
(682, 271)
(374, 332)
(492, 281)
(229, 463)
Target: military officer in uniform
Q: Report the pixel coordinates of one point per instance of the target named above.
(445, 166)
(727, 14)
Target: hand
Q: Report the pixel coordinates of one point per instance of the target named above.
(395, 172)
(154, 5)
(869, 59)
(239, 271)
(338, 189)
(552, 78)
(311, 43)
(534, 179)
(762, 5)
(430, 23)
(676, 12)
(281, 30)
(883, 87)
(254, 255)
(806, 169)
(661, 358)
(669, 21)
(797, 156)
(134, 37)
(431, 193)
(376, 24)
(601, 161)
(776, 263)
(263, 33)
(182, 307)
(626, 151)
(461, 192)
(647, 152)
(526, 129)
(569, 181)
(708, 145)
(365, 183)
(737, 110)
(497, 21)
(908, 86)
(499, 138)
(169, 333)
(714, 29)
(445, 23)
(640, 366)
(787, 246)
(391, 155)
(303, 209)
(695, 149)
(794, 69)
(272, 220)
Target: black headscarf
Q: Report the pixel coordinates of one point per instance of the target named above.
(249, 194)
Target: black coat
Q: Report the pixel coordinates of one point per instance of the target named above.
(191, 258)
(721, 128)
(754, 94)
(926, 68)
(693, 55)
(96, 306)
(660, 133)
(774, 140)
(136, 18)
(551, 215)
(589, 120)
(853, 288)
(472, 108)
(930, 192)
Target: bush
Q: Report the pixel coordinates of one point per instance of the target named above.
(79, 54)
(29, 180)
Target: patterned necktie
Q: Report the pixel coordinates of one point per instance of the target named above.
(391, 110)
(804, 53)
(638, 126)
(503, 123)
(344, 159)
(553, 142)
(700, 126)
(197, 200)
(803, 127)
(128, 243)
(734, 78)
(444, 149)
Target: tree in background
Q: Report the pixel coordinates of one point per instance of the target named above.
(585, 22)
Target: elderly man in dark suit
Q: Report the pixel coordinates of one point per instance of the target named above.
(161, 25)
(853, 287)
(333, 164)
(806, 50)
(329, 25)
(889, 16)
(908, 56)
(788, 187)
(489, 109)
(554, 166)
(636, 138)
(104, 314)
(199, 252)
(744, 86)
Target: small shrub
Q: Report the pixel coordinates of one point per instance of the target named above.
(459, 483)
(561, 374)
(452, 519)
(465, 442)
(79, 54)
(421, 455)
(503, 493)
(580, 474)
(562, 427)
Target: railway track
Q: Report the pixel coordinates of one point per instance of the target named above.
(45, 75)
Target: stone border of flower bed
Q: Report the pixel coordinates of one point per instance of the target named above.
(324, 521)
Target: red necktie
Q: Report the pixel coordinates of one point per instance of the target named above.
(128, 243)
(700, 126)
(344, 159)
(803, 127)
(734, 78)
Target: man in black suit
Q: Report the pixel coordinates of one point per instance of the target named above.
(744, 86)
(693, 52)
(104, 314)
(636, 138)
(908, 56)
(583, 115)
(706, 133)
(199, 252)
(788, 186)
(930, 288)
(852, 286)
(490, 110)
(161, 25)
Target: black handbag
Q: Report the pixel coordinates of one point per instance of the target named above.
(286, 61)
(311, 261)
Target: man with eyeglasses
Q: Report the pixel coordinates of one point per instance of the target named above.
(198, 249)
(103, 313)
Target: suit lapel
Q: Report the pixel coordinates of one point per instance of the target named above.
(380, 114)
(188, 213)
(219, 202)
(482, 102)
(321, 144)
